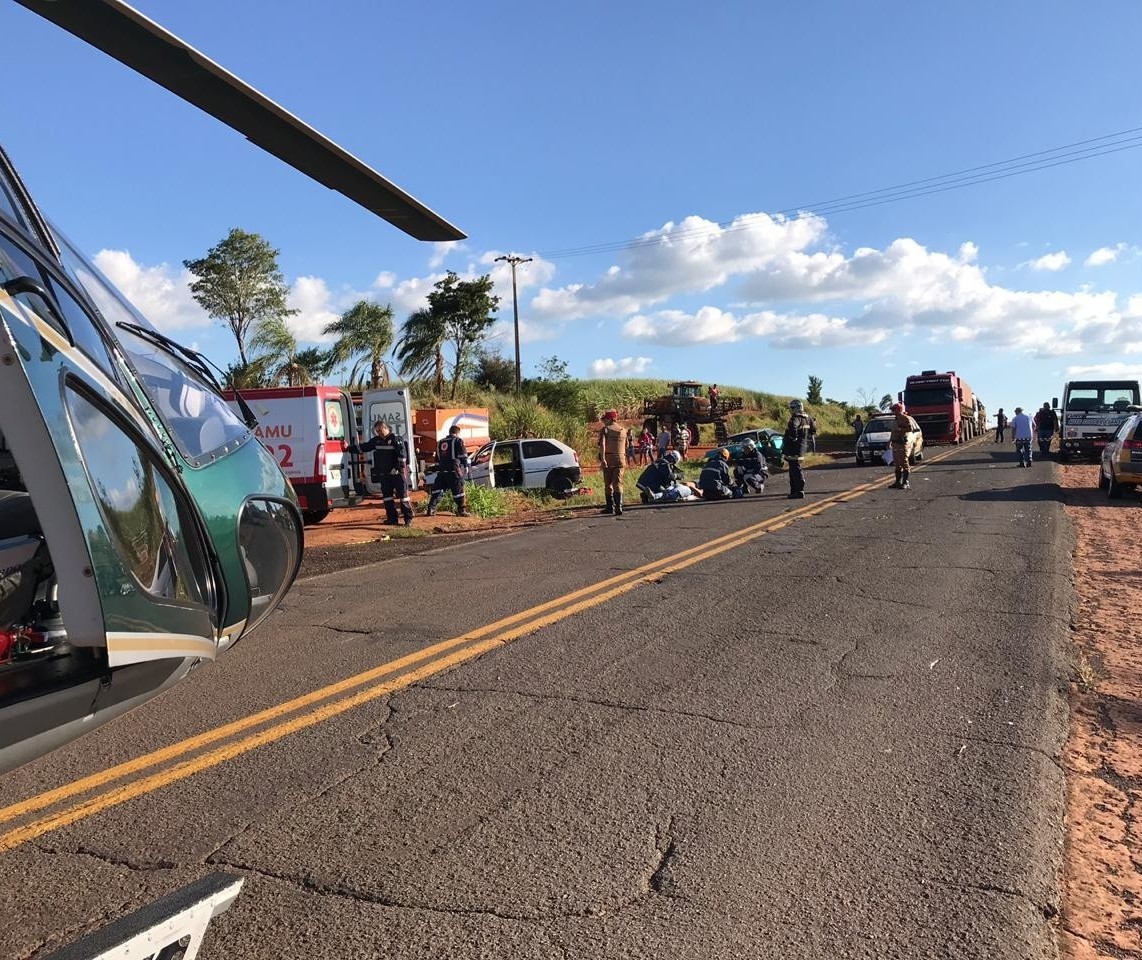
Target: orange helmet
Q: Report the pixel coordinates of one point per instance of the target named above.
(898, 408)
(610, 415)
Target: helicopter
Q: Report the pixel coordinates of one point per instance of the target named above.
(144, 530)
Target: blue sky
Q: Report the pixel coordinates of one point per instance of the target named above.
(540, 130)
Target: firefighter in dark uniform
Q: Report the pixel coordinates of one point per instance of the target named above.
(750, 472)
(714, 481)
(800, 433)
(389, 468)
(451, 462)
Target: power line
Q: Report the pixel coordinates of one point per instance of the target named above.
(971, 176)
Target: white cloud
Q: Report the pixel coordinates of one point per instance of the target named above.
(441, 249)
(688, 257)
(311, 298)
(675, 328)
(1104, 255)
(626, 367)
(1107, 371)
(1050, 262)
(162, 293)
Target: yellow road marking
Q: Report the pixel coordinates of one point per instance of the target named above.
(617, 585)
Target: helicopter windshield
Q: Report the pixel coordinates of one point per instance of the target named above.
(200, 421)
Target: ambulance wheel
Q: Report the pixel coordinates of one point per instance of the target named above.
(314, 516)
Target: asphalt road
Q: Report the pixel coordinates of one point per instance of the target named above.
(835, 736)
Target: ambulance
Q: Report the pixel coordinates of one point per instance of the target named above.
(307, 429)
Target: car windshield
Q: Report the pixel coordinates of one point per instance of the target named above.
(1102, 397)
(200, 421)
(881, 425)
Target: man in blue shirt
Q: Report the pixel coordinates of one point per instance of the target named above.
(1022, 431)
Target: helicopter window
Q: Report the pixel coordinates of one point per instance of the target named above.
(14, 262)
(85, 334)
(8, 205)
(198, 418)
(71, 320)
(269, 537)
(149, 524)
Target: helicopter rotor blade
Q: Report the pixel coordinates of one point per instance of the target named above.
(141, 44)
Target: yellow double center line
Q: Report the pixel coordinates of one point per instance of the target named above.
(423, 663)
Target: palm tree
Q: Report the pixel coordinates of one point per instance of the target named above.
(278, 346)
(282, 360)
(420, 350)
(246, 376)
(364, 334)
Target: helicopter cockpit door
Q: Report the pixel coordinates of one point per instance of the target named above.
(126, 547)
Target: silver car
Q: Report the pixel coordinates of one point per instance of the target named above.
(874, 441)
(1121, 464)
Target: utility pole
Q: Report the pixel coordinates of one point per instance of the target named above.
(515, 261)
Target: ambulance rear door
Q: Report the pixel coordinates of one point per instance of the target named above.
(392, 406)
(337, 419)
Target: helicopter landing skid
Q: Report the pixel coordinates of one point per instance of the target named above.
(171, 928)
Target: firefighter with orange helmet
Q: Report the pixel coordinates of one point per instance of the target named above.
(903, 441)
(612, 449)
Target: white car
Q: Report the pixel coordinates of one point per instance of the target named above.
(874, 441)
(529, 464)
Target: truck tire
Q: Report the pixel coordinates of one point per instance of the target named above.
(314, 516)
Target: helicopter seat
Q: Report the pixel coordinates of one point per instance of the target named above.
(23, 556)
(17, 515)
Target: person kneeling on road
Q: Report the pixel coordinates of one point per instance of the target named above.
(612, 446)
(715, 481)
(663, 481)
(389, 469)
(750, 472)
(451, 462)
(903, 440)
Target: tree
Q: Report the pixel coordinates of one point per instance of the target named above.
(420, 349)
(364, 334)
(494, 372)
(246, 376)
(886, 402)
(553, 370)
(814, 394)
(554, 387)
(239, 283)
(465, 307)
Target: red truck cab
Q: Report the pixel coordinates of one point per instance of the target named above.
(944, 406)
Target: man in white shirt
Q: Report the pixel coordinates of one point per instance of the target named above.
(1023, 433)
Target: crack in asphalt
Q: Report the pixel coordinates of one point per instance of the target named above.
(1047, 911)
(1016, 745)
(662, 879)
(586, 701)
(135, 865)
(344, 892)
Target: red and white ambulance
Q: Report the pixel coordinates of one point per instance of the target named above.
(307, 429)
